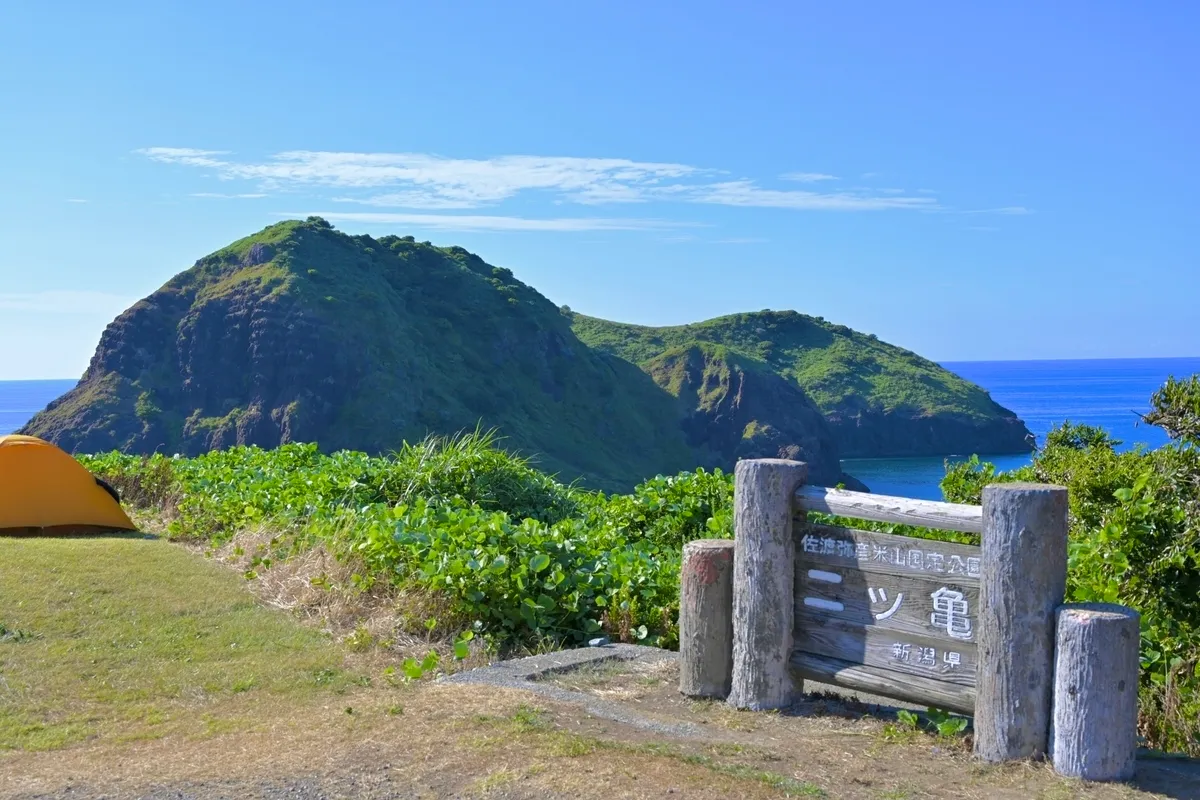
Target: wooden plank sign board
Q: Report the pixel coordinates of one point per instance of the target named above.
(901, 611)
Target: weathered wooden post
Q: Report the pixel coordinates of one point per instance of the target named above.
(764, 581)
(1094, 727)
(706, 618)
(1023, 581)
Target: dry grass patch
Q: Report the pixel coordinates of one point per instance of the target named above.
(379, 626)
(449, 741)
(849, 751)
(616, 679)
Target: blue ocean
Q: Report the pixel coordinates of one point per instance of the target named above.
(20, 400)
(1110, 393)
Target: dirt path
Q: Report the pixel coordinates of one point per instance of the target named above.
(471, 740)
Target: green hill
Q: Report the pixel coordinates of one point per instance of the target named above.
(303, 333)
(881, 400)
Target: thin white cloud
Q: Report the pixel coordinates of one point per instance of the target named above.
(1006, 210)
(731, 240)
(228, 196)
(413, 199)
(430, 179)
(184, 155)
(66, 302)
(76, 200)
(478, 222)
(433, 183)
(746, 193)
(808, 177)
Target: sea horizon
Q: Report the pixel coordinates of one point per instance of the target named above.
(1110, 393)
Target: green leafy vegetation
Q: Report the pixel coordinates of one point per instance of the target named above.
(517, 557)
(1135, 540)
(909, 725)
(13, 635)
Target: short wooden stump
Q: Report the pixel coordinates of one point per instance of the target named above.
(1093, 731)
(706, 618)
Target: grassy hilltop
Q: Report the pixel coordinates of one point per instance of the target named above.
(880, 399)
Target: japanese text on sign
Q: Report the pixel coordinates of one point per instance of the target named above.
(925, 656)
(910, 558)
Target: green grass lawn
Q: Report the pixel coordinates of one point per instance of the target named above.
(129, 637)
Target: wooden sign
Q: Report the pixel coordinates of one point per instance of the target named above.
(903, 609)
(962, 628)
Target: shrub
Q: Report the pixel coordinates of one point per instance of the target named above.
(471, 468)
(673, 510)
(520, 580)
(514, 553)
(141, 481)
(1135, 540)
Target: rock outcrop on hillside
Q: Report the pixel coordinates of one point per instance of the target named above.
(873, 432)
(731, 406)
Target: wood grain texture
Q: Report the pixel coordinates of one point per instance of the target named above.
(887, 553)
(1094, 726)
(1024, 551)
(706, 618)
(901, 604)
(764, 576)
(881, 508)
(873, 680)
(854, 643)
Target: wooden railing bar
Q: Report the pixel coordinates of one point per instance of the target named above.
(881, 508)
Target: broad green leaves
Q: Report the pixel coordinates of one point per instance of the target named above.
(498, 542)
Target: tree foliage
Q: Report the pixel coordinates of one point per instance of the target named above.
(1135, 540)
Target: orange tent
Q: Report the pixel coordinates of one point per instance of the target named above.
(41, 487)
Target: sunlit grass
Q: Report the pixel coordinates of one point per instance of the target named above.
(126, 638)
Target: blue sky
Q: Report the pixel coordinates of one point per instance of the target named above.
(1017, 181)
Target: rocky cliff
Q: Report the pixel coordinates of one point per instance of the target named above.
(732, 407)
